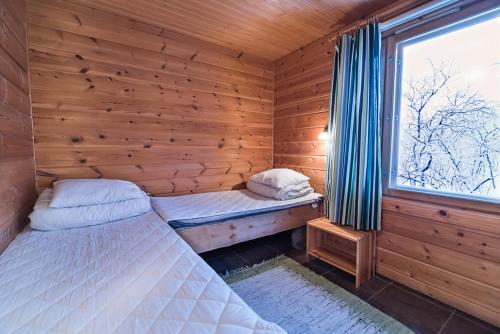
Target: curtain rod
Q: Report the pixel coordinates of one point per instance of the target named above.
(415, 13)
(394, 15)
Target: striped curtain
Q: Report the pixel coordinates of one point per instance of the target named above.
(353, 167)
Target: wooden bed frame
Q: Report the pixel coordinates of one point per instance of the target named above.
(212, 236)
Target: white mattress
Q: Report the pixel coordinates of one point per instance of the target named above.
(213, 207)
(132, 276)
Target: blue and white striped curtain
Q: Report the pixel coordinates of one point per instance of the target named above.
(353, 166)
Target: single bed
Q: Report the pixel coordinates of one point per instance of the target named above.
(135, 275)
(213, 220)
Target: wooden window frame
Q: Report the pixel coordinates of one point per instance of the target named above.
(392, 42)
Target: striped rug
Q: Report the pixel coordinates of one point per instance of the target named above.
(301, 301)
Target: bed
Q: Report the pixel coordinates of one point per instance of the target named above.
(213, 220)
(135, 275)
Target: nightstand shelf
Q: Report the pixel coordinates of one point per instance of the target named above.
(341, 247)
(335, 260)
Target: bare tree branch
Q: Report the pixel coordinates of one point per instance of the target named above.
(450, 139)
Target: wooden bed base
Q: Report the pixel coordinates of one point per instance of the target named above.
(212, 236)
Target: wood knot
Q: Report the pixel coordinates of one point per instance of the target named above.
(443, 213)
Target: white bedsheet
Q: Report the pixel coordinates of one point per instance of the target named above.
(186, 210)
(132, 276)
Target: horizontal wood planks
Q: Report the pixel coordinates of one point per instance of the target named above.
(117, 98)
(270, 29)
(213, 236)
(301, 102)
(17, 171)
(449, 253)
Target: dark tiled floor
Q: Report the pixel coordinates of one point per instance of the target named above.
(420, 313)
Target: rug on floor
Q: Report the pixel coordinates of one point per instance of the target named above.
(285, 292)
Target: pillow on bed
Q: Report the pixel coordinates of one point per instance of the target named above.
(290, 192)
(46, 218)
(78, 192)
(279, 178)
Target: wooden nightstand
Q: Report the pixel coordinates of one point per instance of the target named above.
(342, 247)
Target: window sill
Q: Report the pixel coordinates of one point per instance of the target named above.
(450, 199)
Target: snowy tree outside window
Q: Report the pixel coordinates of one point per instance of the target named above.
(449, 112)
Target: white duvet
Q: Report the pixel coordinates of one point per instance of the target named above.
(132, 276)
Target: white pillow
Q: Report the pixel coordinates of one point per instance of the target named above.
(46, 218)
(279, 177)
(293, 191)
(78, 192)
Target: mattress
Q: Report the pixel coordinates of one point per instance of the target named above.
(131, 276)
(214, 207)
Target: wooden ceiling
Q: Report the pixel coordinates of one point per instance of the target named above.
(266, 28)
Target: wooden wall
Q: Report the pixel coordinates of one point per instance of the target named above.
(301, 102)
(17, 173)
(449, 253)
(116, 98)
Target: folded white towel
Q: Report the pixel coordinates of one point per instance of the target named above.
(289, 192)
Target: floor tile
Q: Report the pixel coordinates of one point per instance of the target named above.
(387, 279)
(227, 262)
(460, 325)
(252, 244)
(256, 255)
(426, 297)
(318, 266)
(418, 314)
(216, 253)
(348, 282)
(281, 242)
(491, 328)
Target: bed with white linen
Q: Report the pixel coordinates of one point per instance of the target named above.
(135, 275)
(218, 219)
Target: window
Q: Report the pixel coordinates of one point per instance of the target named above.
(446, 109)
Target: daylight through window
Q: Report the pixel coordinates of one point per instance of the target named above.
(447, 133)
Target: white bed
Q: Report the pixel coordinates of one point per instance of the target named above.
(214, 207)
(132, 276)
(213, 220)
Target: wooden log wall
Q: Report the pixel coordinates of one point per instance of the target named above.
(301, 101)
(449, 253)
(117, 98)
(17, 171)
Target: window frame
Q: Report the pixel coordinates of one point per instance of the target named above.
(393, 40)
